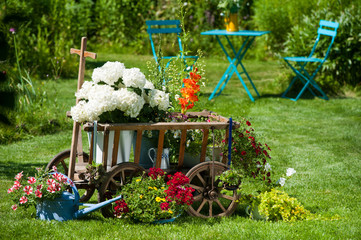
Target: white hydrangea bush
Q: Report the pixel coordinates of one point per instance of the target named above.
(105, 93)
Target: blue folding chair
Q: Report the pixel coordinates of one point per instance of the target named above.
(166, 27)
(328, 29)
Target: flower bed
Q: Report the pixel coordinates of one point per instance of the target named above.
(154, 196)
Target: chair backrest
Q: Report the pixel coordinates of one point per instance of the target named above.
(163, 27)
(329, 29)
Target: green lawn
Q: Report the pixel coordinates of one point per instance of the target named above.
(320, 139)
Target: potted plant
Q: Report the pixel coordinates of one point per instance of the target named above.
(154, 197)
(119, 95)
(44, 186)
(276, 205)
(273, 204)
(249, 156)
(230, 179)
(230, 9)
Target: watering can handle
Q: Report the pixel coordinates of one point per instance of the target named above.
(72, 185)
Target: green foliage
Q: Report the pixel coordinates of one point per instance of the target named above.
(47, 29)
(232, 177)
(276, 205)
(249, 156)
(280, 16)
(343, 66)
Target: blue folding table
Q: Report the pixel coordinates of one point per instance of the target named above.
(237, 60)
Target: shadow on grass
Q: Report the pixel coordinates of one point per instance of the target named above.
(8, 170)
(94, 64)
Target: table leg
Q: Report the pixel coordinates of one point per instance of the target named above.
(232, 68)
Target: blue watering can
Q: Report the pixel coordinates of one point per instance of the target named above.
(66, 207)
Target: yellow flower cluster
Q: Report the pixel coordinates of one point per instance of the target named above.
(158, 199)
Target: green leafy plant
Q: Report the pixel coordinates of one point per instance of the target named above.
(248, 155)
(276, 205)
(231, 177)
(154, 196)
(230, 6)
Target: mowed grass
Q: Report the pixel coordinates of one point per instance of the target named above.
(320, 139)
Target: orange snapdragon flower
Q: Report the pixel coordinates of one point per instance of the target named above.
(191, 88)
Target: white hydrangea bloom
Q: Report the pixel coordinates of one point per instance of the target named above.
(83, 92)
(128, 102)
(133, 77)
(109, 73)
(290, 172)
(148, 85)
(159, 99)
(78, 112)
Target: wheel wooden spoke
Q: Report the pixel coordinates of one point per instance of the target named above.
(64, 166)
(61, 162)
(220, 205)
(198, 197)
(122, 177)
(232, 198)
(201, 206)
(117, 184)
(210, 203)
(198, 188)
(201, 179)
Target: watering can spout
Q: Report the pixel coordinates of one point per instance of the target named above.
(93, 207)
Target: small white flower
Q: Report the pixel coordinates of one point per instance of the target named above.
(188, 142)
(290, 172)
(176, 97)
(267, 167)
(282, 181)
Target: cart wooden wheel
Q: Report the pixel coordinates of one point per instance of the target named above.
(210, 201)
(117, 177)
(61, 162)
